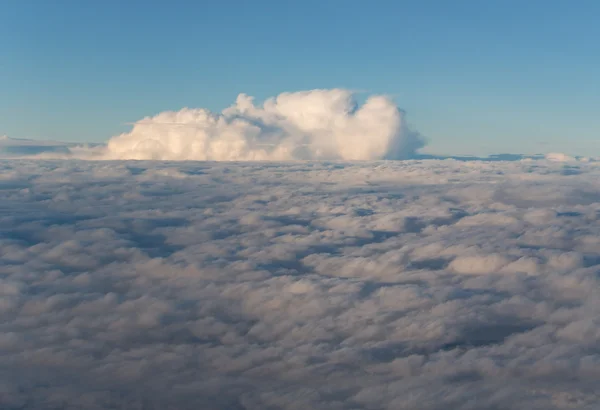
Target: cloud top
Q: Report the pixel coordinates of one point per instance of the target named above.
(307, 125)
(428, 285)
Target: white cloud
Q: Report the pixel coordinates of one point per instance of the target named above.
(414, 284)
(317, 124)
(559, 157)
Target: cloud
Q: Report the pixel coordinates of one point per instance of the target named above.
(17, 147)
(317, 124)
(396, 285)
(44, 149)
(559, 157)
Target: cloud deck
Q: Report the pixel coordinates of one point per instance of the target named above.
(397, 285)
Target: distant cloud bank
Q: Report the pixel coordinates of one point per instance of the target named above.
(307, 125)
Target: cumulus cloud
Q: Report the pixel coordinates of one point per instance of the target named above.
(316, 124)
(386, 285)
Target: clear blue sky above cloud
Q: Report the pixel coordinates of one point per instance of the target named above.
(474, 76)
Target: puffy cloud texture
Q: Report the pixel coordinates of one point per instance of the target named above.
(376, 285)
(317, 124)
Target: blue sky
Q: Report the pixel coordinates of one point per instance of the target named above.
(475, 77)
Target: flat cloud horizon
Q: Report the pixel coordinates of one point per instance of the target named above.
(427, 285)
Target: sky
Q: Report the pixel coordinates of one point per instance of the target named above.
(473, 77)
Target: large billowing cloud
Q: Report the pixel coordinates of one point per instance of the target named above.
(427, 285)
(317, 124)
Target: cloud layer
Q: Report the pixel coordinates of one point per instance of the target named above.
(315, 125)
(381, 285)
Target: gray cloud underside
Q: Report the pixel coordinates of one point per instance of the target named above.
(387, 285)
